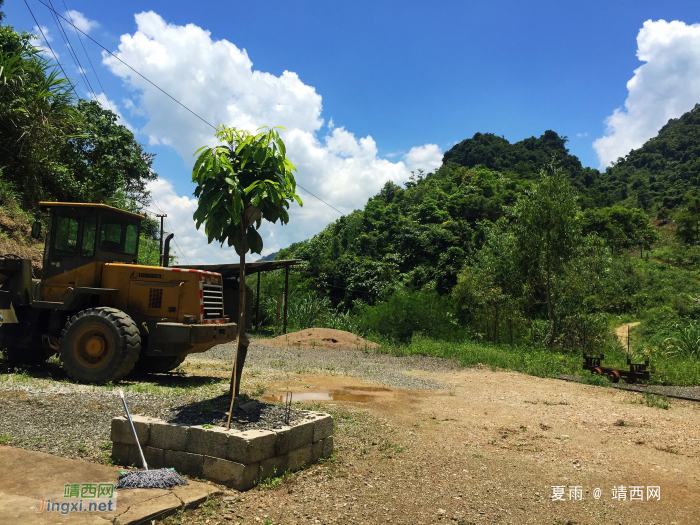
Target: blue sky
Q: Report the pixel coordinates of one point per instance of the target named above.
(408, 75)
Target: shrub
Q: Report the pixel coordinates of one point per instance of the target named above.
(407, 312)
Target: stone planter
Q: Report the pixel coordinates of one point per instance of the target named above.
(237, 459)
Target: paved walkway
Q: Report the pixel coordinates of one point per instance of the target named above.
(27, 477)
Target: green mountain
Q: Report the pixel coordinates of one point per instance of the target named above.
(660, 173)
(426, 231)
(523, 159)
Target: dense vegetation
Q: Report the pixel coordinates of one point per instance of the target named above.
(509, 254)
(54, 146)
(519, 245)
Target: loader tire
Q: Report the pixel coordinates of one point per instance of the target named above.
(99, 345)
(158, 365)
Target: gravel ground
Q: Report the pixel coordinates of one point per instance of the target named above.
(370, 366)
(41, 410)
(691, 393)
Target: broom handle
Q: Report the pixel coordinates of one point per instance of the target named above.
(143, 459)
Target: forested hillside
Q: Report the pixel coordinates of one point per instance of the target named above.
(519, 243)
(55, 146)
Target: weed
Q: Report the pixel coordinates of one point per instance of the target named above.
(106, 445)
(267, 522)
(278, 363)
(416, 424)
(652, 400)
(597, 380)
(477, 455)
(82, 447)
(107, 459)
(207, 425)
(523, 428)
(260, 390)
(273, 480)
(5, 438)
(207, 407)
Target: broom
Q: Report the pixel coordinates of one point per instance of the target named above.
(146, 479)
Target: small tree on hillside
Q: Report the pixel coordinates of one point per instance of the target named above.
(240, 183)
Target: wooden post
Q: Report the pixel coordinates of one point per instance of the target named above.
(277, 319)
(286, 296)
(257, 305)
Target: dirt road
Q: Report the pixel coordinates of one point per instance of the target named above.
(487, 449)
(622, 331)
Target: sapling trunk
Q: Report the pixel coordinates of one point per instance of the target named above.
(241, 324)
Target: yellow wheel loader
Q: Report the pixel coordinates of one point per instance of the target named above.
(104, 314)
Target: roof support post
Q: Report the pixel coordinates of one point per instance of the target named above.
(286, 297)
(257, 305)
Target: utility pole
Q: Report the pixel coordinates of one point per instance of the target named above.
(160, 253)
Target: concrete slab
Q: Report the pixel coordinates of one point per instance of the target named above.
(28, 477)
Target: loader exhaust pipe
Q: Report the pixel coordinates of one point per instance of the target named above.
(166, 250)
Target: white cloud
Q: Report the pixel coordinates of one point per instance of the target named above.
(80, 21)
(665, 87)
(43, 45)
(427, 157)
(216, 80)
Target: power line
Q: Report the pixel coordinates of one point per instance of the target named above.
(50, 48)
(88, 57)
(71, 51)
(166, 93)
(319, 198)
(127, 65)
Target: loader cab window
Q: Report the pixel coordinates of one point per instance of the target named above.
(66, 240)
(118, 235)
(89, 234)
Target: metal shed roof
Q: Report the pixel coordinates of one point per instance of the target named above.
(233, 269)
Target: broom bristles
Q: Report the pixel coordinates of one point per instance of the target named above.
(163, 478)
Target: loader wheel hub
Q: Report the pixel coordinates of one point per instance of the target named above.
(95, 346)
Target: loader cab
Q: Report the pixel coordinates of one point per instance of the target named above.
(81, 234)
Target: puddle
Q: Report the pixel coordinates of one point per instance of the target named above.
(344, 394)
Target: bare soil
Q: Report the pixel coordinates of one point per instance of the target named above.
(622, 331)
(488, 448)
(327, 338)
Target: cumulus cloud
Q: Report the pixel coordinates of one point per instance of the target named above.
(43, 45)
(428, 157)
(80, 21)
(664, 87)
(216, 80)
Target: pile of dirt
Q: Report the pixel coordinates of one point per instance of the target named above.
(321, 338)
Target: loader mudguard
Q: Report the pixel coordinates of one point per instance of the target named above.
(178, 338)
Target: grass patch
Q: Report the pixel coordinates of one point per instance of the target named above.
(275, 481)
(5, 438)
(595, 379)
(545, 362)
(654, 401)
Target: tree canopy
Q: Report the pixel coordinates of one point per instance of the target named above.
(56, 147)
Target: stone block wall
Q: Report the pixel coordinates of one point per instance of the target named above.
(237, 459)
